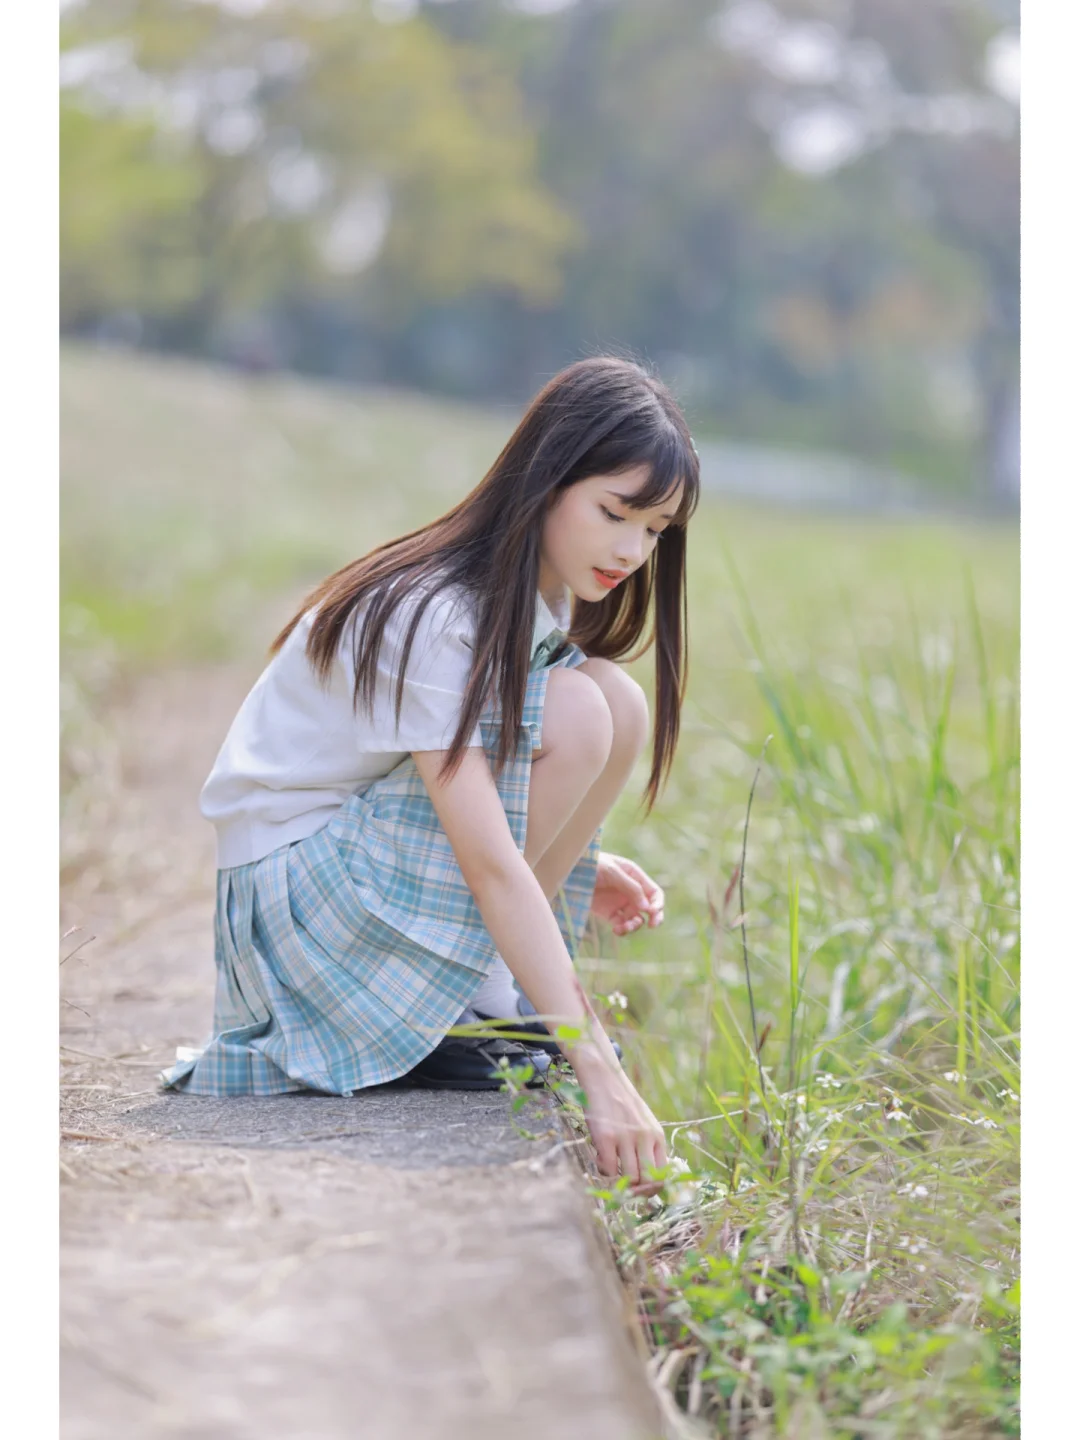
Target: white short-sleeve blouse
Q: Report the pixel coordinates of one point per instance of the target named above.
(298, 748)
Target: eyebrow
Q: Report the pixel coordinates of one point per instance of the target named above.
(626, 501)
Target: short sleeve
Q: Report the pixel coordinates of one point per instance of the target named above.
(437, 676)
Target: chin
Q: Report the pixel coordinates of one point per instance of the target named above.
(592, 590)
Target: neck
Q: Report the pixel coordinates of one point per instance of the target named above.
(553, 595)
(549, 585)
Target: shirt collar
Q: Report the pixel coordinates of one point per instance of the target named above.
(550, 618)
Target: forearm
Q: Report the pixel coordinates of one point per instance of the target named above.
(521, 923)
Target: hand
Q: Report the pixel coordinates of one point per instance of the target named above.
(628, 1137)
(624, 895)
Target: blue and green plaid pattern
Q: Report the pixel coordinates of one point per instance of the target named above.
(343, 959)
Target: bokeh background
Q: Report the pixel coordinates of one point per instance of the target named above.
(806, 213)
(315, 259)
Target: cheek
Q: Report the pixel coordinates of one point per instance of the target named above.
(585, 521)
(558, 536)
(563, 531)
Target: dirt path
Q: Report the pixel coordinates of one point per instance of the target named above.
(394, 1266)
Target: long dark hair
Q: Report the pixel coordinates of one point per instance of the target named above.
(600, 416)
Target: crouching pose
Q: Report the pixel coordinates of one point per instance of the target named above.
(408, 804)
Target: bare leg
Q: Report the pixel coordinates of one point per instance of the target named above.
(564, 812)
(575, 749)
(595, 724)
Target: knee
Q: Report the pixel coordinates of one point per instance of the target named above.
(577, 720)
(627, 706)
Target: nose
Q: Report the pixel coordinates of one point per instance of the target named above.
(630, 547)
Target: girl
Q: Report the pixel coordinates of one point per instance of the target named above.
(408, 804)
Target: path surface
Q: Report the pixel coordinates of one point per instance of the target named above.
(394, 1266)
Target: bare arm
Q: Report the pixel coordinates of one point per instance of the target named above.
(523, 927)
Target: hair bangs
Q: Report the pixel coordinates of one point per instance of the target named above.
(647, 438)
(671, 464)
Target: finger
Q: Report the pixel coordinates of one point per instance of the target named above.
(636, 899)
(647, 1185)
(646, 1189)
(647, 883)
(607, 1155)
(647, 1160)
(628, 1159)
(660, 1155)
(655, 900)
(652, 902)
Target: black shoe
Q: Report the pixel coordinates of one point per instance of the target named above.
(544, 1039)
(470, 1062)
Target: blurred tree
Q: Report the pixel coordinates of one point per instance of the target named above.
(333, 155)
(124, 198)
(764, 195)
(804, 210)
(955, 148)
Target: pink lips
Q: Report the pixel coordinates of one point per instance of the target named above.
(608, 581)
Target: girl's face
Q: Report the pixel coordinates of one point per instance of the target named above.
(592, 539)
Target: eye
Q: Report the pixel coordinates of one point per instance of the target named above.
(618, 519)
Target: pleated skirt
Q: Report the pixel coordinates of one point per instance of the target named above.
(343, 959)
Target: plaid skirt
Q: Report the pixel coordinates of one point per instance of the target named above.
(343, 959)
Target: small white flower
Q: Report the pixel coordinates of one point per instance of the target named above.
(1008, 1095)
(800, 1099)
(953, 1076)
(617, 1000)
(680, 1189)
(921, 1269)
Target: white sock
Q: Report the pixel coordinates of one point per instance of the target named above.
(497, 995)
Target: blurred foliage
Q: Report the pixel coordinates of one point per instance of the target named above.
(295, 120)
(805, 212)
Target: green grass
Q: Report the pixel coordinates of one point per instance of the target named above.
(848, 1256)
(841, 1258)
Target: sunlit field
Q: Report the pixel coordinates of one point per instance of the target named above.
(829, 1031)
